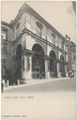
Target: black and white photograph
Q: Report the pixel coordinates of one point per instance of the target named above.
(38, 60)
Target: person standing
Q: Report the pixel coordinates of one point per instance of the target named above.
(2, 86)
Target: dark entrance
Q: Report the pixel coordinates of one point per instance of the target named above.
(38, 62)
(18, 72)
(52, 64)
(62, 66)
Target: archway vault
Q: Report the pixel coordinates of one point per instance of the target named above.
(62, 66)
(38, 61)
(41, 44)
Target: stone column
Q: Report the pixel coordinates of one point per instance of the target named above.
(66, 71)
(30, 76)
(24, 70)
(58, 69)
(29, 73)
(46, 68)
(49, 74)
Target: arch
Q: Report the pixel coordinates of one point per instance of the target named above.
(52, 54)
(38, 61)
(62, 66)
(40, 44)
(62, 57)
(52, 64)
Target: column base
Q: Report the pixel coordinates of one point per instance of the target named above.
(66, 74)
(59, 75)
(29, 76)
(48, 74)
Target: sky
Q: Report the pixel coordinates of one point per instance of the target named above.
(56, 13)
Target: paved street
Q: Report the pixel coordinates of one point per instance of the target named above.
(67, 85)
(53, 100)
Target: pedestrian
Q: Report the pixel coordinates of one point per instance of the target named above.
(2, 86)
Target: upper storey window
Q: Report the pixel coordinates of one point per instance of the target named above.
(3, 35)
(24, 19)
(33, 24)
(63, 45)
(28, 18)
(28, 21)
(53, 38)
(39, 28)
(17, 29)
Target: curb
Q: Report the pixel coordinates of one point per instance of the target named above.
(34, 82)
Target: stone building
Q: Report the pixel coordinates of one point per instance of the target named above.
(6, 58)
(35, 48)
(71, 56)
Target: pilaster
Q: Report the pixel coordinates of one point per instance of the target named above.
(58, 69)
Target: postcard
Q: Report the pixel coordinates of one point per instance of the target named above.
(38, 60)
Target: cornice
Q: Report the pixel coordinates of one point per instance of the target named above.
(6, 41)
(38, 38)
(5, 23)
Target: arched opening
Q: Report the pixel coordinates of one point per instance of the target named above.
(62, 66)
(18, 72)
(52, 64)
(38, 62)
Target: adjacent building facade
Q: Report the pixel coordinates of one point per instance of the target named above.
(32, 48)
(72, 56)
